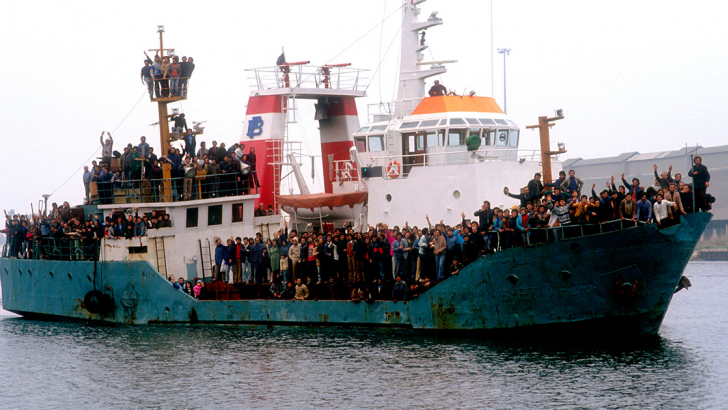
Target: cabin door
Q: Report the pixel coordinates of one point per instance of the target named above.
(414, 149)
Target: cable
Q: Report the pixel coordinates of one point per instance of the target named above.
(380, 65)
(97, 149)
(381, 35)
(356, 41)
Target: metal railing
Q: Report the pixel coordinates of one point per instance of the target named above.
(304, 76)
(571, 231)
(175, 189)
(406, 162)
(385, 111)
(65, 249)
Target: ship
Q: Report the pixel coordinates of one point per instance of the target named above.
(417, 155)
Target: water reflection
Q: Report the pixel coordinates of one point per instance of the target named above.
(224, 366)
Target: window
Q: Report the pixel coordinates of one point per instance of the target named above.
(429, 123)
(376, 143)
(361, 144)
(431, 139)
(443, 122)
(412, 124)
(512, 123)
(362, 130)
(502, 139)
(457, 121)
(237, 213)
(214, 215)
(420, 142)
(138, 249)
(410, 142)
(514, 138)
(501, 122)
(491, 137)
(457, 137)
(378, 128)
(472, 121)
(192, 217)
(487, 121)
(441, 137)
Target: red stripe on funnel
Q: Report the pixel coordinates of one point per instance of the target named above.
(264, 104)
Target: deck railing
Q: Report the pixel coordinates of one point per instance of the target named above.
(305, 76)
(174, 189)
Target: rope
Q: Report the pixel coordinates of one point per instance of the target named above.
(381, 35)
(97, 149)
(396, 35)
(357, 40)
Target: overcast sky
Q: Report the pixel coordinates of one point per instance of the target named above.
(630, 76)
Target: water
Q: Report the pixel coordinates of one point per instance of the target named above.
(47, 365)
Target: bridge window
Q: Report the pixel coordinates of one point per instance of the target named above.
(412, 124)
(378, 128)
(192, 214)
(237, 213)
(362, 130)
(420, 141)
(441, 137)
(431, 138)
(429, 123)
(472, 121)
(514, 138)
(512, 123)
(501, 122)
(443, 122)
(361, 144)
(457, 137)
(457, 121)
(376, 143)
(502, 138)
(487, 121)
(491, 137)
(214, 215)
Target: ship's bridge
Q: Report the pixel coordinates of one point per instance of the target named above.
(440, 131)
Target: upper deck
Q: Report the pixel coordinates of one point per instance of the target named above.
(306, 81)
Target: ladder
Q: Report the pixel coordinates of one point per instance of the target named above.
(161, 255)
(206, 258)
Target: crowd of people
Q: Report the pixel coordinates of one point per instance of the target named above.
(65, 233)
(194, 173)
(400, 263)
(165, 78)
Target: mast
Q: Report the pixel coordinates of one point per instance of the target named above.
(164, 134)
(544, 123)
(411, 75)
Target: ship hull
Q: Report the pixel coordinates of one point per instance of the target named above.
(618, 283)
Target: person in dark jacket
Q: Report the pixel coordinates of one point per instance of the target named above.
(535, 186)
(525, 197)
(558, 182)
(399, 291)
(485, 215)
(701, 182)
(634, 188)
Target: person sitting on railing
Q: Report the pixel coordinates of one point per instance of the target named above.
(628, 208)
(673, 195)
(663, 217)
(526, 197)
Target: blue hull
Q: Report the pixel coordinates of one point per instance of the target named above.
(613, 283)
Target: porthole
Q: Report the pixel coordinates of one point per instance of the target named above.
(456, 194)
(388, 197)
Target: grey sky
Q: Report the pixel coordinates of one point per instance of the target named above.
(630, 76)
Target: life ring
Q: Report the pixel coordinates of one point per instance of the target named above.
(393, 169)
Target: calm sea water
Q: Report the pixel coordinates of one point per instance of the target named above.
(48, 365)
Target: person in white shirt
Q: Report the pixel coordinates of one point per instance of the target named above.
(663, 217)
